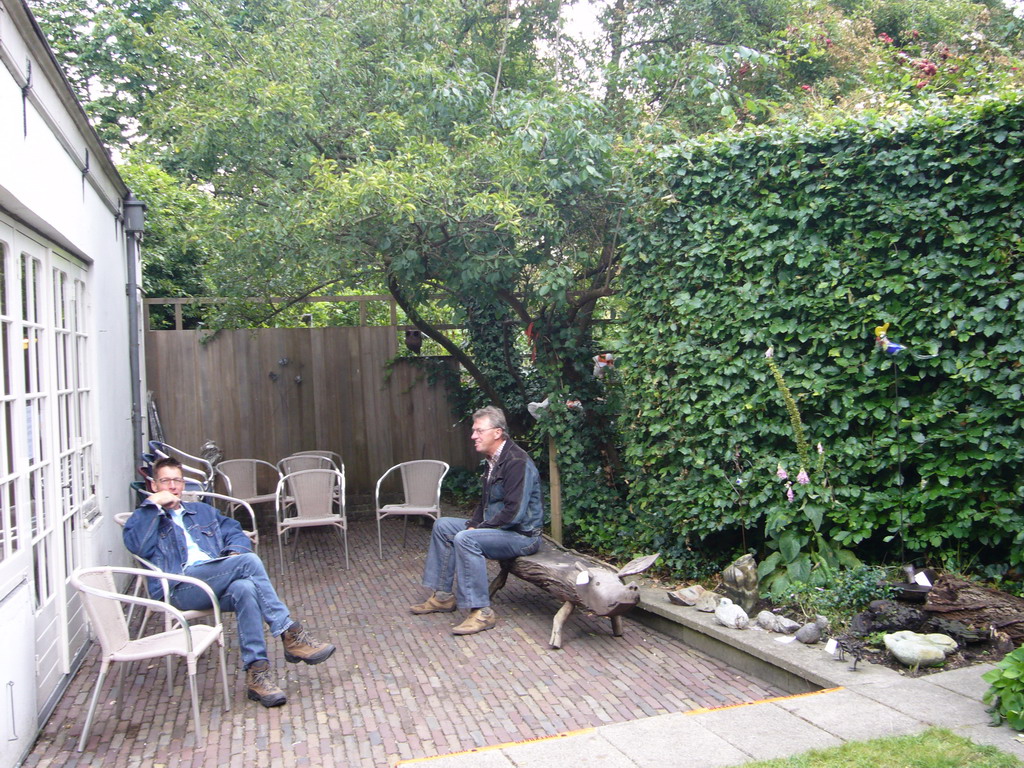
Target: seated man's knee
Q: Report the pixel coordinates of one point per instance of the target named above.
(448, 526)
(465, 540)
(242, 590)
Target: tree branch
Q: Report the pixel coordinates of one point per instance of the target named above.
(445, 342)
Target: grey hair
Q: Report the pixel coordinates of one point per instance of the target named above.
(495, 417)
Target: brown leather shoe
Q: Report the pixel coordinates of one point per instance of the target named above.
(477, 621)
(433, 605)
(299, 645)
(259, 679)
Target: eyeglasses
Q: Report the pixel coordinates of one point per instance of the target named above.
(481, 431)
(170, 481)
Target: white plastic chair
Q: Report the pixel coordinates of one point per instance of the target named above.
(421, 489)
(102, 604)
(313, 494)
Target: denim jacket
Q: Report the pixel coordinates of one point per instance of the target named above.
(511, 498)
(151, 534)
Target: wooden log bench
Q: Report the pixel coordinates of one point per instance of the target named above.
(575, 579)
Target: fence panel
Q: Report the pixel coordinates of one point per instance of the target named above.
(267, 393)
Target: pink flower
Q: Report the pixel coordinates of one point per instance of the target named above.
(770, 352)
(885, 38)
(781, 473)
(789, 492)
(806, 87)
(802, 477)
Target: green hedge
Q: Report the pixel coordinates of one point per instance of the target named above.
(806, 239)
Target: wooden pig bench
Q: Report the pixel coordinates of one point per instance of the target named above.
(576, 579)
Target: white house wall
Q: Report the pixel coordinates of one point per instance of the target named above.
(60, 205)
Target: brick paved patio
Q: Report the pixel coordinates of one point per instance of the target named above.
(400, 686)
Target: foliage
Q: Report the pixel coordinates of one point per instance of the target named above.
(806, 238)
(846, 592)
(435, 148)
(713, 64)
(803, 550)
(176, 251)
(934, 748)
(1005, 695)
(461, 487)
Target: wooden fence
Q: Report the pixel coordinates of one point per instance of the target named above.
(267, 393)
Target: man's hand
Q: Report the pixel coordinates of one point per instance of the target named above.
(164, 499)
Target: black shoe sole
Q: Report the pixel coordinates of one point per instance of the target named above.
(267, 701)
(316, 658)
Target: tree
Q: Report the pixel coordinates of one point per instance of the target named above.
(177, 253)
(428, 149)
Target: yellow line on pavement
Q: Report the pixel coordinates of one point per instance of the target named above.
(703, 710)
(699, 711)
(415, 760)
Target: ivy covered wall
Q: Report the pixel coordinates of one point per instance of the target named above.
(806, 239)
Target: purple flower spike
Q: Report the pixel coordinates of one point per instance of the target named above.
(781, 473)
(802, 477)
(789, 492)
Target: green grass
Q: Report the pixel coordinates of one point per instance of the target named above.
(935, 748)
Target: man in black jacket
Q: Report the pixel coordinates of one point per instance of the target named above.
(506, 523)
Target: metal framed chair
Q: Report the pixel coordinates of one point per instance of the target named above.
(334, 456)
(141, 589)
(298, 462)
(193, 467)
(307, 499)
(103, 602)
(232, 505)
(241, 479)
(421, 490)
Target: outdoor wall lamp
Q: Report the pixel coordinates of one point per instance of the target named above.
(134, 215)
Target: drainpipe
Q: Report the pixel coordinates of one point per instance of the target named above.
(134, 224)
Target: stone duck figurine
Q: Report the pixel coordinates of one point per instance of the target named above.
(731, 615)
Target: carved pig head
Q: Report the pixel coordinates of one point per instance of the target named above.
(601, 589)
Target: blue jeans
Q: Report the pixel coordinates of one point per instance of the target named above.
(461, 555)
(241, 585)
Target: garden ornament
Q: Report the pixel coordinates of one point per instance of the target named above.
(731, 615)
(739, 582)
(576, 580)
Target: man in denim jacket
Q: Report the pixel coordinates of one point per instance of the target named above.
(506, 523)
(194, 539)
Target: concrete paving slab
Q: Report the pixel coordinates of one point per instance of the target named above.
(484, 758)
(929, 703)
(849, 716)
(966, 681)
(677, 740)
(1003, 738)
(582, 750)
(765, 730)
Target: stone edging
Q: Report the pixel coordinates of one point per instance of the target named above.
(792, 666)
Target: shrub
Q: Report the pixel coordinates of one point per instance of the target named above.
(806, 238)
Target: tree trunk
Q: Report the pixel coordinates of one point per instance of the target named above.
(983, 608)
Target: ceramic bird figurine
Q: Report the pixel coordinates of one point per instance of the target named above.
(414, 341)
(731, 615)
(885, 344)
